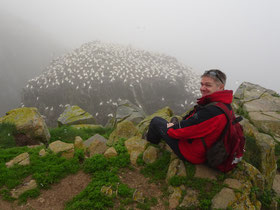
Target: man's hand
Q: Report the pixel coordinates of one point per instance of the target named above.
(169, 125)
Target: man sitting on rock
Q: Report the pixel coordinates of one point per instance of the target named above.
(207, 122)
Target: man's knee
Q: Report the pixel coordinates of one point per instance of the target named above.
(156, 120)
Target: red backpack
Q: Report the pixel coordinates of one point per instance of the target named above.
(228, 150)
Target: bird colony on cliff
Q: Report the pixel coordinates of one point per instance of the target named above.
(97, 76)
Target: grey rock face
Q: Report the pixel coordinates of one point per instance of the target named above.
(74, 115)
(98, 75)
(130, 112)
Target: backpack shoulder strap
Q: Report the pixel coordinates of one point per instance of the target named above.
(225, 109)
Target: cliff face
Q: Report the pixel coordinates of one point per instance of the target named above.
(99, 75)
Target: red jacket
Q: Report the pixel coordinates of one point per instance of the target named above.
(207, 122)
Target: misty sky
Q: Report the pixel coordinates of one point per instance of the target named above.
(240, 37)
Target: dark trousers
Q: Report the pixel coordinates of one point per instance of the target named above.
(158, 130)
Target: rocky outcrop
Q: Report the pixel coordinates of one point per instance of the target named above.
(262, 106)
(30, 126)
(74, 115)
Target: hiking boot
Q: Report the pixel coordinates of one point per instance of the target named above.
(174, 120)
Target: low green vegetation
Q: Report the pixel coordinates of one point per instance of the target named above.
(45, 170)
(67, 133)
(104, 173)
(207, 188)
(51, 168)
(276, 95)
(157, 170)
(7, 132)
(252, 149)
(277, 154)
(241, 111)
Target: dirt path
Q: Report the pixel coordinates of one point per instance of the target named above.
(134, 179)
(54, 198)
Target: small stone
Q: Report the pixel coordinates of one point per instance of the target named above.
(150, 155)
(42, 152)
(172, 169)
(41, 200)
(175, 197)
(22, 159)
(97, 147)
(67, 149)
(135, 146)
(110, 152)
(27, 186)
(89, 141)
(138, 196)
(107, 190)
(79, 143)
(190, 199)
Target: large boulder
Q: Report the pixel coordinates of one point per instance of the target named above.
(264, 146)
(30, 126)
(74, 115)
(130, 112)
(262, 106)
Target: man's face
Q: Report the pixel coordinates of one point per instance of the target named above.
(209, 86)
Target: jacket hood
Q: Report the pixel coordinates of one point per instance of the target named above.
(224, 96)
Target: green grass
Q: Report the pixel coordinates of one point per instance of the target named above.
(251, 149)
(157, 170)
(45, 170)
(241, 111)
(28, 194)
(68, 133)
(7, 132)
(276, 95)
(104, 172)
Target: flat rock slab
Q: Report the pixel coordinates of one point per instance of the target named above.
(203, 171)
(22, 159)
(223, 199)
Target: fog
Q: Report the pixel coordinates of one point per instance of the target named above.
(240, 37)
